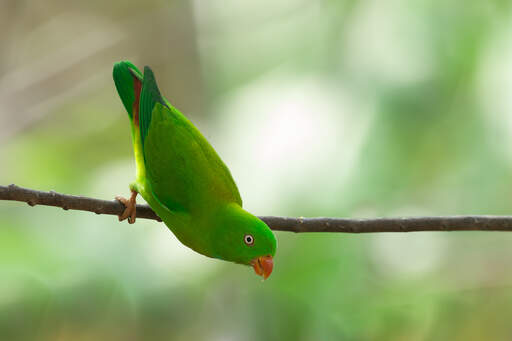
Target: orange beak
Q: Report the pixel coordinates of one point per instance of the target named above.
(263, 266)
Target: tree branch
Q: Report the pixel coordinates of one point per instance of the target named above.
(409, 224)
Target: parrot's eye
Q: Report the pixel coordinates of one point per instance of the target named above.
(249, 240)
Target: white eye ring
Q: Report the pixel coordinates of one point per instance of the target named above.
(249, 240)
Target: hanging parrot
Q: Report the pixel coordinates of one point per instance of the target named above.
(185, 182)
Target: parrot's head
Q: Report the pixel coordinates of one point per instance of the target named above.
(242, 238)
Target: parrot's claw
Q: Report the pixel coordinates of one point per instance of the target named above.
(130, 211)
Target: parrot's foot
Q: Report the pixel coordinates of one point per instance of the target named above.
(131, 207)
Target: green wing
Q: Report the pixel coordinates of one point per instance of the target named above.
(183, 169)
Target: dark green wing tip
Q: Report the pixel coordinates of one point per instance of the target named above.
(150, 86)
(149, 96)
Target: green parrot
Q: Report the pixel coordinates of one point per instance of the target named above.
(185, 182)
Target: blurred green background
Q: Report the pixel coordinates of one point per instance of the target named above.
(320, 108)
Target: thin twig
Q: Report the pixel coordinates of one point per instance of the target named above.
(409, 224)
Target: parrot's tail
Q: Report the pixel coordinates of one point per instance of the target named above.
(128, 80)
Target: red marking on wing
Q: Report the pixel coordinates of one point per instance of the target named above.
(137, 86)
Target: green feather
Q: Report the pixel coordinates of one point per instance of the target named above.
(123, 74)
(149, 96)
